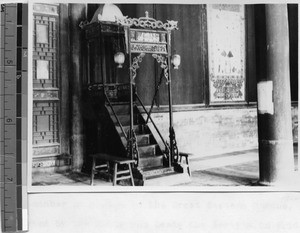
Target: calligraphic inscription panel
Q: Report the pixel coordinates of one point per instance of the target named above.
(148, 37)
(148, 48)
(226, 51)
(143, 41)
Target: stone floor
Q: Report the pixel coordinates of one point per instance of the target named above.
(66, 179)
(231, 169)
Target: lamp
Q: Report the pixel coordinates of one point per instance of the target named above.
(119, 58)
(176, 60)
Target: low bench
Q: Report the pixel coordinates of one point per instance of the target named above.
(125, 174)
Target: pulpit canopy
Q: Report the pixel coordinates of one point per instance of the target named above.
(107, 13)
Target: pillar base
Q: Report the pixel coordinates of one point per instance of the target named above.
(291, 181)
(276, 158)
(77, 152)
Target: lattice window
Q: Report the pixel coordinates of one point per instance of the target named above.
(45, 50)
(46, 101)
(45, 123)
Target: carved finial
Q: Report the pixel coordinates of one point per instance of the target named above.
(147, 14)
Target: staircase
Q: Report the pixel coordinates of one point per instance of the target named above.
(112, 114)
(151, 158)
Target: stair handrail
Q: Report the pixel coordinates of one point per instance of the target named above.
(132, 147)
(115, 115)
(155, 94)
(156, 128)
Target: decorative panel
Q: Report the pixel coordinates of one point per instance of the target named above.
(45, 54)
(42, 33)
(143, 41)
(42, 123)
(226, 52)
(45, 122)
(52, 149)
(46, 102)
(42, 69)
(148, 48)
(45, 95)
(45, 9)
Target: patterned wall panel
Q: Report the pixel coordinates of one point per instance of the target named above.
(226, 52)
(46, 101)
(45, 52)
(45, 118)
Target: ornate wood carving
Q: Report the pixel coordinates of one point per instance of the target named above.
(45, 9)
(45, 95)
(148, 48)
(163, 64)
(45, 81)
(135, 65)
(147, 22)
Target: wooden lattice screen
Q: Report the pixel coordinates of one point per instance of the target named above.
(46, 101)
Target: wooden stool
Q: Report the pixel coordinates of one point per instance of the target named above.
(116, 161)
(122, 172)
(186, 155)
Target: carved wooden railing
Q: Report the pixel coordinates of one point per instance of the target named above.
(167, 148)
(108, 92)
(115, 115)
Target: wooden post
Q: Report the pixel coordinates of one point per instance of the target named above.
(171, 132)
(276, 164)
(131, 81)
(77, 14)
(64, 60)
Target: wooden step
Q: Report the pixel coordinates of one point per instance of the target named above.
(121, 109)
(150, 162)
(156, 171)
(148, 150)
(142, 139)
(151, 158)
(169, 179)
(138, 129)
(124, 119)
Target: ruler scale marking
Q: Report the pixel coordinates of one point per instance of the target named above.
(13, 73)
(9, 207)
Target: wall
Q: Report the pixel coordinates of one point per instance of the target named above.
(210, 131)
(188, 81)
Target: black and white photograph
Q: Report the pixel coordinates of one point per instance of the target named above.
(164, 94)
(149, 116)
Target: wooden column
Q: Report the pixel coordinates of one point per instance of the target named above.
(64, 60)
(276, 163)
(76, 15)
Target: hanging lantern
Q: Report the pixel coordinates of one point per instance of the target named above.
(176, 60)
(119, 59)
